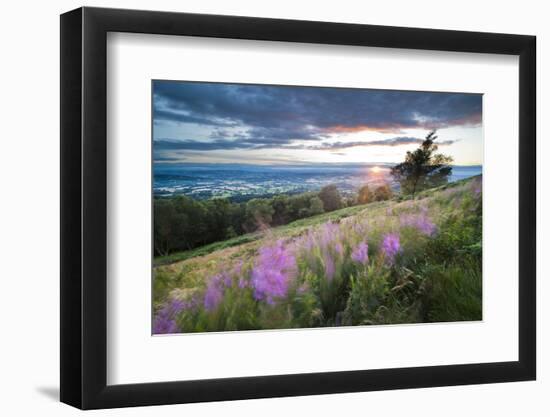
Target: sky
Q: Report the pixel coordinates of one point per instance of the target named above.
(199, 122)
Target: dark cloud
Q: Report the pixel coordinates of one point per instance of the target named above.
(280, 115)
(193, 145)
(223, 144)
(181, 117)
(383, 142)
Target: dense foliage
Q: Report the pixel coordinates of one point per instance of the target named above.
(365, 195)
(397, 261)
(182, 223)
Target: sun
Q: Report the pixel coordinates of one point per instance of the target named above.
(376, 170)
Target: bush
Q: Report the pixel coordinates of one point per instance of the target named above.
(368, 291)
(331, 198)
(315, 206)
(259, 214)
(382, 193)
(364, 195)
(453, 292)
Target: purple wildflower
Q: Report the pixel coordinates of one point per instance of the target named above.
(390, 247)
(214, 293)
(164, 321)
(329, 266)
(176, 306)
(361, 253)
(275, 267)
(425, 225)
(227, 280)
(339, 248)
(360, 228)
(164, 325)
(237, 269)
(309, 241)
(421, 222)
(406, 220)
(329, 232)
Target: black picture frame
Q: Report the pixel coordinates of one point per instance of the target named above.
(84, 207)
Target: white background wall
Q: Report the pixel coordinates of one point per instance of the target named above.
(29, 225)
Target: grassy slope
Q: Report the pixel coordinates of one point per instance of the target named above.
(283, 231)
(436, 279)
(251, 241)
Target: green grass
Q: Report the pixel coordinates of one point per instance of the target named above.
(297, 226)
(435, 277)
(287, 230)
(205, 250)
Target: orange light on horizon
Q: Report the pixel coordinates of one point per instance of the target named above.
(376, 174)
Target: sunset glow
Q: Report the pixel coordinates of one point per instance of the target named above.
(200, 122)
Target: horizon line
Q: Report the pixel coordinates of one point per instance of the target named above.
(296, 163)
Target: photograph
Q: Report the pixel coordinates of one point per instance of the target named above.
(285, 207)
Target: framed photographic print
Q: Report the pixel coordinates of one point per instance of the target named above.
(259, 207)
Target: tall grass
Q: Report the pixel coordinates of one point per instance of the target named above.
(404, 261)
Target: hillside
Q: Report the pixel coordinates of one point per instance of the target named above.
(396, 261)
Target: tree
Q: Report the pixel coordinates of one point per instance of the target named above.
(383, 192)
(217, 218)
(259, 214)
(330, 196)
(165, 219)
(315, 206)
(349, 201)
(180, 224)
(423, 168)
(280, 204)
(364, 195)
(237, 214)
(298, 206)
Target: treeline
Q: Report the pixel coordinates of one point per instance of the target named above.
(182, 223)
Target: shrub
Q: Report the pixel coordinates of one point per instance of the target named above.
(453, 292)
(364, 195)
(315, 206)
(382, 193)
(330, 196)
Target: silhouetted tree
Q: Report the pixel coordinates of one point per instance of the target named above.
(423, 168)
